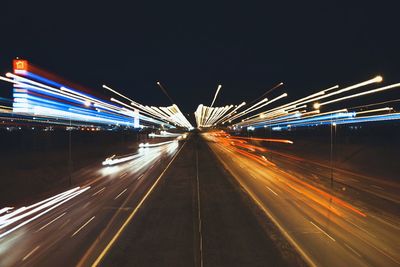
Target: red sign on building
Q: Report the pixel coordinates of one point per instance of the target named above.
(20, 65)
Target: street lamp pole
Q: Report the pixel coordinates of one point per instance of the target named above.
(70, 151)
(333, 126)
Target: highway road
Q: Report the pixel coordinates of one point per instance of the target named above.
(198, 216)
(353, 223)
(74, 227)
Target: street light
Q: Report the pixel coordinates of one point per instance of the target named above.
(333, 126)
(70, 150)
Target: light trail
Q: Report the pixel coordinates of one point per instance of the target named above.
(229, 115)
(208, 116)
(170, 115)
(146, 151)
(360, 94)
(47, 208)
(283, 118)
(307, 207)
(121, 159)
(12, 216)
(156, 144)
(54, 103)
(130, 217)
(223, 139)
(6, 209)
(38, 96)
(216, 94)
(285, 141)
(165, 134)
(374, 110)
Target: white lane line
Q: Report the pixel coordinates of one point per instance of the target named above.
(44, 226)
(121, 193)
(80, 228)
(323, 231)
(140, 177)
(254, 177)
(30, 253)
(355, 252)
(271, 190)
(123, 175)
(98, 192)
(199, 209)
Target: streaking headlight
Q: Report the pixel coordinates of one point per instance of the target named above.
(143, 144)
(108, 161)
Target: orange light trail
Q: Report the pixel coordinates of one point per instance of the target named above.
(285, 141)
(263, 161)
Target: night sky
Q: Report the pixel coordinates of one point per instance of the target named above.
(192, 46)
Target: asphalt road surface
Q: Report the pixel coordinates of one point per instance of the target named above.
(73, 228)
(350, 220)
(195, 203)
(198, 217)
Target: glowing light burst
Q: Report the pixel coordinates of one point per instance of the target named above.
(39, 99)
(36, 97)
(306, 111)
